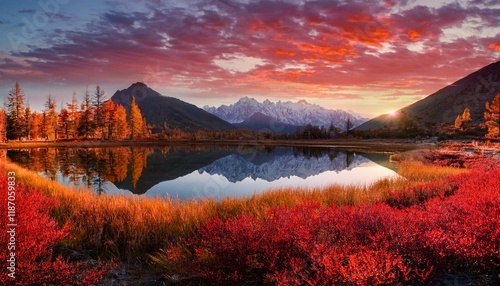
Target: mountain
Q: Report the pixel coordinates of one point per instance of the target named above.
(261, 122)
(159, 109)
(169, 165)
(443, 106)
(282, 164)
(298, 113)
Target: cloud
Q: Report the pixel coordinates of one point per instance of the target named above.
(294, 48)
(495, 46)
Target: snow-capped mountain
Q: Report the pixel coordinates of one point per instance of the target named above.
(284, 164)
(298, 113)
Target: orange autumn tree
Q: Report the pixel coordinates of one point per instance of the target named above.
(492, 116)
(463, 121)
(121, 125)
(136, 121)
(108, 119)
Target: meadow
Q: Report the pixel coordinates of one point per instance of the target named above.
(434, 220)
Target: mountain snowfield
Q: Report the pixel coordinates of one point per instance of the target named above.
(298, 113)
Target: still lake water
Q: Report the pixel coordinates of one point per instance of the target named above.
(186, 172)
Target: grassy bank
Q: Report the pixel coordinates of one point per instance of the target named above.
(129, 226)
(430, 231)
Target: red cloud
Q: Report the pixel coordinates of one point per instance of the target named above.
(413, 35)
(283, 52)
(337, 43)
(495, 46)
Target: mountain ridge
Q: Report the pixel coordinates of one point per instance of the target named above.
(175, 113)
(444, 105)
(298, 113)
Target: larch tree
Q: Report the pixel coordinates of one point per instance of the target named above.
(97, 103)
(28, 118)
(492, 116)
(121, 127)
(458, 121)
(86, 126)
(73, 120)
(35, 125)
(466, 120)
(16, 123)
(466, 115)
(43, 125)
(135, 121)
(109, 109)
(64, 123)
(3, 126)
(52, 119)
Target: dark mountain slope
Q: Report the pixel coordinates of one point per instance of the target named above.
(444, 105)
(159, 109)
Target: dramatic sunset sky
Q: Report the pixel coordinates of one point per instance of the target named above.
(367, 56)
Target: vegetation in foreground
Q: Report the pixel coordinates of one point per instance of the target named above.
(390, 243)
(387, 225)
(31, 237)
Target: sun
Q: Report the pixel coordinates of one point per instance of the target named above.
(393, 113)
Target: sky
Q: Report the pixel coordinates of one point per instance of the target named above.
(370, 57)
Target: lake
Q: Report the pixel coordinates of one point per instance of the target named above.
(187, 172)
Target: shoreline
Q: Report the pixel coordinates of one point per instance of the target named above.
(385, 145)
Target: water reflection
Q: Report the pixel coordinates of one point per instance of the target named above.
(200, 171)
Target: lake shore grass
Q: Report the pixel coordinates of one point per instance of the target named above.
(123, 227)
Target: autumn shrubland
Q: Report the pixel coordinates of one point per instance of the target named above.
(431, 220)
(32, 236)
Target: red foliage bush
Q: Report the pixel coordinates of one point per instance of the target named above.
(453, 227)
(35, 235)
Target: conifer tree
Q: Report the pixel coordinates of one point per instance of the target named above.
(109, 109)
(466, 115)
(43, 125)
(136, 121)
(492, 116)
(29, 121)
(35, 125)
(3, 126)
(86, 127)
(64, 123)
(73, 120)
(51, 119)
(98, 103)
(16, 123)
(458, 121)
(121, 128)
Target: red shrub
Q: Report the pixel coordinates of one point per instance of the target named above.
(35, 235)
(457, 230)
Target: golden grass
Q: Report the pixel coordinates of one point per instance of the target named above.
(131, 226)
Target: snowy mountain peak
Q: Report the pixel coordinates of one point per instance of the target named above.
(298, 113)
(247, 100)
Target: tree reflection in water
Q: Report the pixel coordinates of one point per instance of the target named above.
(89, 167)
(138, 169)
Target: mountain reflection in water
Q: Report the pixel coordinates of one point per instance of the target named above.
(199, 171)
